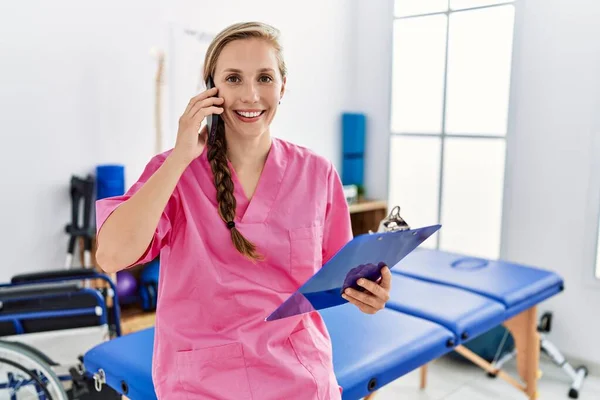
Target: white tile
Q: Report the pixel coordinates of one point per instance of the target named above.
(449, 379)
(444, 376)
(395, 393)
(591, 387)
(485, 392)
(553, 385)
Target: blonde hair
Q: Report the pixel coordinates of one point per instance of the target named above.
(240, 31)
(217, 153)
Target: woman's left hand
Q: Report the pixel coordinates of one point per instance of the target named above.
(375, 295)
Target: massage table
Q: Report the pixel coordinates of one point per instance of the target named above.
(439, 301)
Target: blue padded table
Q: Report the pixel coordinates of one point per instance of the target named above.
(471, 295)
(126, 362)
(516, 286)
(369, 351)
(465, 314)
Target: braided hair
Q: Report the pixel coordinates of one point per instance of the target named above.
(217, 151)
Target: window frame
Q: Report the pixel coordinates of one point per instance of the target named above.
(591, 257)
(443, 135)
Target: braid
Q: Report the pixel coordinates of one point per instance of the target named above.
(217, 156)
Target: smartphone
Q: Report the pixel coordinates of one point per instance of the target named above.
(212, 120)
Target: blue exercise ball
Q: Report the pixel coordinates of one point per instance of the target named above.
(150, 272)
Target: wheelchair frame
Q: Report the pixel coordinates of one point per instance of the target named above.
(81, 381)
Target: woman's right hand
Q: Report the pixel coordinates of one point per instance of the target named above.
(190, 143)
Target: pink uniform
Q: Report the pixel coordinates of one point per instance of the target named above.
(211, 339)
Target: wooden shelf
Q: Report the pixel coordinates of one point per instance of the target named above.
(367, 205)
(366, 215)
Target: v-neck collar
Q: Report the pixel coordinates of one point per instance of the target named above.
(257, 209)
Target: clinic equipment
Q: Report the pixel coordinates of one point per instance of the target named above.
(82, 196)
(48, 321)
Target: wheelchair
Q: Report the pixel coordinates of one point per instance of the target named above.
(48, 320)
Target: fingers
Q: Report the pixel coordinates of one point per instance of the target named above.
(205, 112)
(375, 296)
(196, 120)
(378, 290)
(365, 298)
(206, 94)
(386, 278)
(202, 106)
(366, 308)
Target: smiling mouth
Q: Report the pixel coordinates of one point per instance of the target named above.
(250, 114)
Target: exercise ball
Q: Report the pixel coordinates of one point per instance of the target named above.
(150, 272)
(127, 287)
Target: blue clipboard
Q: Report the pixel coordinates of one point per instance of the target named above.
(362, 255)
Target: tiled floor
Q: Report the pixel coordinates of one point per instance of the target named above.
(449, 379)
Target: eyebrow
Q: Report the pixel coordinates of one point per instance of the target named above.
(240, 71)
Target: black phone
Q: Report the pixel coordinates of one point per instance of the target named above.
(212, 120)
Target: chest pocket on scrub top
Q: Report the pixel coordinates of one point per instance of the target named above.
(305, 252)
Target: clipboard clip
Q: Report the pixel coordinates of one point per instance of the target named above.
(393, 222)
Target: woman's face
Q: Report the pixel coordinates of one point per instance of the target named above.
(248, 79)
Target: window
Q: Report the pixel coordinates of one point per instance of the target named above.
(598, 257)
(594, 201)
(449, 110)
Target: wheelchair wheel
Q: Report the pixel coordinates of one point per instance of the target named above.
(25, 376)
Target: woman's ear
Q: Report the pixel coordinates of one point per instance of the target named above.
(282, 89)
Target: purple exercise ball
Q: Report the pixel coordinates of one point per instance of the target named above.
(127, 286)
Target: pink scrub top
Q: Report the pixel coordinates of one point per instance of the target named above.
(211, 337)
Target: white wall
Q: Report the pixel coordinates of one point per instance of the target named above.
(74, 92)
(77, 90)
(556, 102)
(373, 59)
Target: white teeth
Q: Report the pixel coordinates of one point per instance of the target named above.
(249, 114)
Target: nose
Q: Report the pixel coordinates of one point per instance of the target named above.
(250, 93)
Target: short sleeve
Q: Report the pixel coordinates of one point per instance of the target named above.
(106, 206)
(337, 229)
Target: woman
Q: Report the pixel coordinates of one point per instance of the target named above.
(239, 225)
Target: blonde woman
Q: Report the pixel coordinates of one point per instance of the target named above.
(239, 224)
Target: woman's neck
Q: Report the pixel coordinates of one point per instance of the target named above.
(248, 154)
